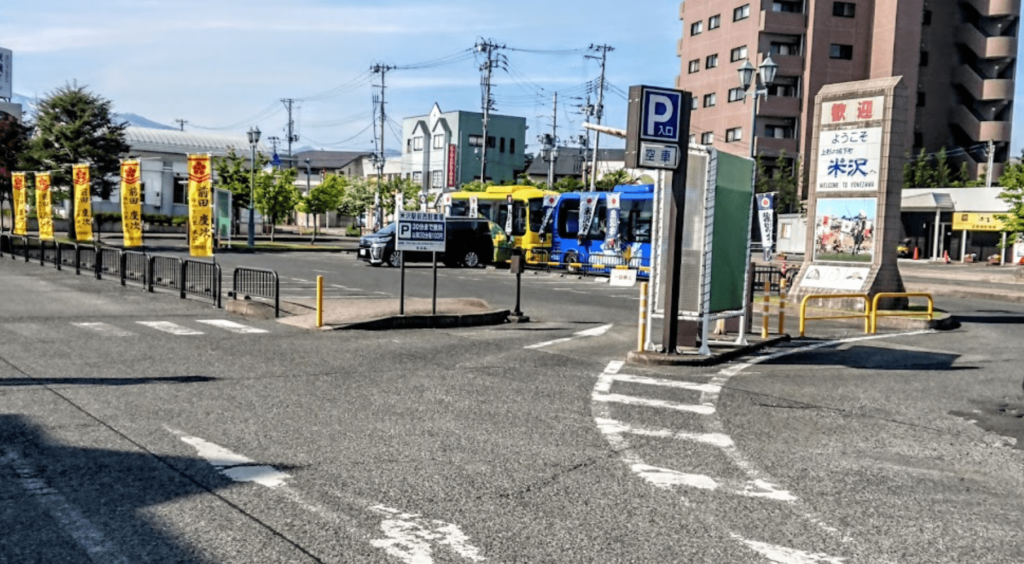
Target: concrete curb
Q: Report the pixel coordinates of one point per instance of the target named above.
(647, 358)
(497, 317)
(967, 292)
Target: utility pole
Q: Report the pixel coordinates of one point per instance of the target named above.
(991, 163)
(554, 141)
(487, 68)
(274, 140)
(181, 122)
(380, 159)
(292, 137)
(603, 49)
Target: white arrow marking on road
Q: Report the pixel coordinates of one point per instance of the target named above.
(784, 555)
(595, 332)
(70, 519)
(235, 466)
(232, 326)
(168, 327)
(410, 537)
(105, 328)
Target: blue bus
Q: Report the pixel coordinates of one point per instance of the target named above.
(627, 243)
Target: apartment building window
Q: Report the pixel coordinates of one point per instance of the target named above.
(180, 191)
(734, 134)
(438, 142)
(476, 140)
(844, 9)
(709, 100)
(736, 94)
(779, 131)
(417, 143)
(501, 145)
(784, 48)
(491, 142)
(918, 139)
(711, 61)
(786, 86)
(696, 28)
(788, 6)
(738, 54)
(920, 99)
(926, 17)
(512, 145)
(437, 179)
(693, 139)
(417, 178)
(924, 58)
(837, 51)
(741, 13)
(694, 104)
(715, 22)
(694, 66)
(707, 138)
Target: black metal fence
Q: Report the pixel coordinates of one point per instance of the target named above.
(257, 283)
(164, 272)
(134, 268)
(773, 275)
(201, 279)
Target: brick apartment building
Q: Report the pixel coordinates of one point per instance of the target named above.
(959, 56)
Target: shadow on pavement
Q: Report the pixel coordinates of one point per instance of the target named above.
(992, 319)
(874, 358)
(61, 503)
(11, 382)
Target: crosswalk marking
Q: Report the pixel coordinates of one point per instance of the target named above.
(105, 329)
(232, 326)
(704, 388)
(644, 402)
(168, 327)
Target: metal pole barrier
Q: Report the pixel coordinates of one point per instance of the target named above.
(433, 305)
(319, 302)
(641, 338)
(401, 286)
(519, 278)
(782, 306)
(764, 309)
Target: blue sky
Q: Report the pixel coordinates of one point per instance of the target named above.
(223, 62)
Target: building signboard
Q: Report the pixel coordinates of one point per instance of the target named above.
(977, 222)
(453, 177)
(844, 229)
(418, 231)
(6, 74)
(850, 279)
(849, 160)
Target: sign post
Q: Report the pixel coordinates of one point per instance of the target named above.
(765, 213)
(419, 232)
(657, 136)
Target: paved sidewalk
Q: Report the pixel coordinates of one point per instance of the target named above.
(977, 281)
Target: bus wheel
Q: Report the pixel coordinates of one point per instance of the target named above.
(570, 258)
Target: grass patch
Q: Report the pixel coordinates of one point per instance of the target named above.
(842, 257)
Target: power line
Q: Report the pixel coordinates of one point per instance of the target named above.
(318, 143)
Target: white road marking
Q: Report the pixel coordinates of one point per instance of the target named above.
(714, 439)
(168, 327)
(235, 466)
(232, 326)
(784, 555)
(595, 332)
(70, 519)
(410, 537)
(105, 329)
(706, 409)
(711, 388)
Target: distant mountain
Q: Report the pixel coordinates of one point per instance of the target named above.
(31, 105)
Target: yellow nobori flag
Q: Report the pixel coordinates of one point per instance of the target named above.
(131, 203)
(200, 206)
(20, 203)
(44, 211)
(83, 202)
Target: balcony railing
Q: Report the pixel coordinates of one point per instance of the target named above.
(979, 130)
(996, 8)
(983, 88)
(783, 22)
(986, 47)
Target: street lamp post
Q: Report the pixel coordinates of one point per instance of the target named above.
(307, 190)
(254, 138)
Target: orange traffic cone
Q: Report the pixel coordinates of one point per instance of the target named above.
(916, 256)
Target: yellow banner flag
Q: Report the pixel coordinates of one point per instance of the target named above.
(131, 203)
(83, 202)
(44, 209)
(200, 206)
(20, 203)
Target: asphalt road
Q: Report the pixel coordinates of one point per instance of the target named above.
(144, 428)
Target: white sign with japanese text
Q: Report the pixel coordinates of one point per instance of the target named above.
(419, 231)
(849, 160)
(835, 277)
(659, 155)
(852, 111)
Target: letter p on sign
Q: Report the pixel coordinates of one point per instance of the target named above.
(661, 115)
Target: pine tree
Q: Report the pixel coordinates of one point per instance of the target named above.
(75, 126)
(943, 174)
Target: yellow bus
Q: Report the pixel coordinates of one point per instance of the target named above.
(527, 215)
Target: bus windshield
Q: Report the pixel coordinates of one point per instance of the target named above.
(635, 220)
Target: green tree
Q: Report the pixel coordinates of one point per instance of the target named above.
(410, 194)
(943, 174)
(13, 143)
(609, 181)
(568, 184)
(234, 176)
(1012, 182)
(476, 186)
(323, 198)
(276, 195)
(357, 198)
(76, 126)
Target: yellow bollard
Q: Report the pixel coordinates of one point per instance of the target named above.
(764, 311)
(319, 302)
(782, 307)
(642, 333)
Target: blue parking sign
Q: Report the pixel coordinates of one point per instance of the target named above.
(660, 115)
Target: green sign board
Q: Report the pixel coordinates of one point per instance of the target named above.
(733, 199)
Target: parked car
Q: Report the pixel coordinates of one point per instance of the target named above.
(467, 243)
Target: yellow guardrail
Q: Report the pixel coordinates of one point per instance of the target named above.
(875, 314)
(866, 315)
